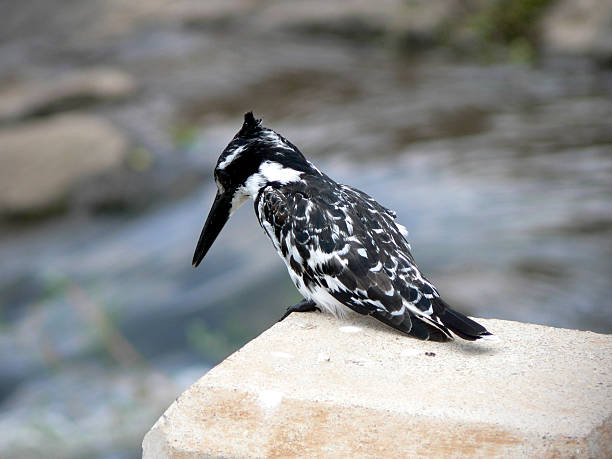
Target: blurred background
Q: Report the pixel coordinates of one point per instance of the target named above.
(487, 124)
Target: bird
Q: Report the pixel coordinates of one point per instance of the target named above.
(343, 250)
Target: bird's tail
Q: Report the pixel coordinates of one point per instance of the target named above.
(459, 324)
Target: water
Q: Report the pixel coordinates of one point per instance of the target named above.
(502, 174)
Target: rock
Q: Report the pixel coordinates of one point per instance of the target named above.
(41, 161)
(354, 19)
(579, 27)
(20, 100)
(541, 392)
(417, 19)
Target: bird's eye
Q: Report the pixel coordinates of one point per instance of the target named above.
(223, 177)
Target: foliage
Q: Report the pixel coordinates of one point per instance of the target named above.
(510, 24)
(504, 21)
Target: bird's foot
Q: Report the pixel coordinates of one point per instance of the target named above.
(302, 306)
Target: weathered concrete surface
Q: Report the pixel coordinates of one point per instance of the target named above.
(312, 386)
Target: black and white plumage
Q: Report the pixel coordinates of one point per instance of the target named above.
(341, 247)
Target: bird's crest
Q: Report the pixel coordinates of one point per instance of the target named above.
(250, 126)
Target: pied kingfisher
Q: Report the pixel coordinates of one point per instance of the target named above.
(342, 248)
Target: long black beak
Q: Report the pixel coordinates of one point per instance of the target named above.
(217, 217)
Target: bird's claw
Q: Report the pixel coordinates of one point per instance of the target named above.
(302, 306)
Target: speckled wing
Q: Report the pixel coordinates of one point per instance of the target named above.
(339, 239)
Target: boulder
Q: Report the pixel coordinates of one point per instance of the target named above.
(41, 161)
(579, 27)
(23, 99)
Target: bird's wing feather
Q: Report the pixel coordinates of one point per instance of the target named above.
(359, 195)
(348, 244)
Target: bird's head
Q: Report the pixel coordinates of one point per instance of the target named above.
(255, 158)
